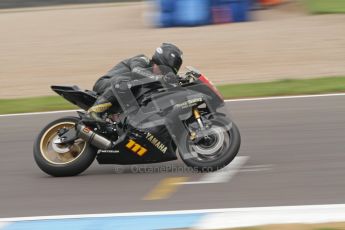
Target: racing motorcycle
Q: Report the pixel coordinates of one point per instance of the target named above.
(148, 125)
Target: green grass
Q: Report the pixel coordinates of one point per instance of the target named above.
(284, 87)
(231, 91)
(326, 6)
(34, 104)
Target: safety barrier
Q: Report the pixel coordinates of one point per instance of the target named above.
(201, 12)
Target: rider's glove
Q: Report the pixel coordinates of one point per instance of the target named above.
(171, 79)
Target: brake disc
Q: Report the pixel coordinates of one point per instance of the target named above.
(219, 135)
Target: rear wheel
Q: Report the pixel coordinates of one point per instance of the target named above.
(58, 159)
(216, 150)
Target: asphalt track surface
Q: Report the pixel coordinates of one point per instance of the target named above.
(295, 149)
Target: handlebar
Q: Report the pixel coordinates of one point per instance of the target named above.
(189, 77)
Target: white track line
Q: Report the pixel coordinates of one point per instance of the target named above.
(274, 209)
(224, 175)
(232, 100)
(37, 113)
(286, 97)
(265, 216)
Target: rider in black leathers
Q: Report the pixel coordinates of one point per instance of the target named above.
(167, 55)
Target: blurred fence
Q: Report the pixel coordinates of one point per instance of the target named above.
(201, 12)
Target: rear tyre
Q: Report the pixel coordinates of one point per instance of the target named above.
(215, 154)
(61, 160)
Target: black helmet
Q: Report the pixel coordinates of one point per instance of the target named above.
(169, 55)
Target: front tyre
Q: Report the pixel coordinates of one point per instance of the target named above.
(62, 160)
(221, 147)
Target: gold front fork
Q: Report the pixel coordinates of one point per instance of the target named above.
(198, 118)
(196, 113)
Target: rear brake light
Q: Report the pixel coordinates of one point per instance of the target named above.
(207, 82)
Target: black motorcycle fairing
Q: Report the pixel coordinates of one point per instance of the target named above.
(156, 140)
(211, 98)
(78, 97)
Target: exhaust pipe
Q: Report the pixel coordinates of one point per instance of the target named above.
(93, 138)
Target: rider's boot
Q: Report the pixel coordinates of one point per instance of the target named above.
(101, 105)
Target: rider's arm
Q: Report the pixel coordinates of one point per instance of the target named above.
(140, 65)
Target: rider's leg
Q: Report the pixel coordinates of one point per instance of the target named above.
(102, 85)
(102, 104)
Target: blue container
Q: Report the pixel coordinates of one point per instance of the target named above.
(192, 12)
(238, 10)
(166, 19)
(166, 5)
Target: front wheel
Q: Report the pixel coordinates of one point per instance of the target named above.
(216, 151)
(58, 159)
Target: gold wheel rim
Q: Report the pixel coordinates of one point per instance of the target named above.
(70, 153)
